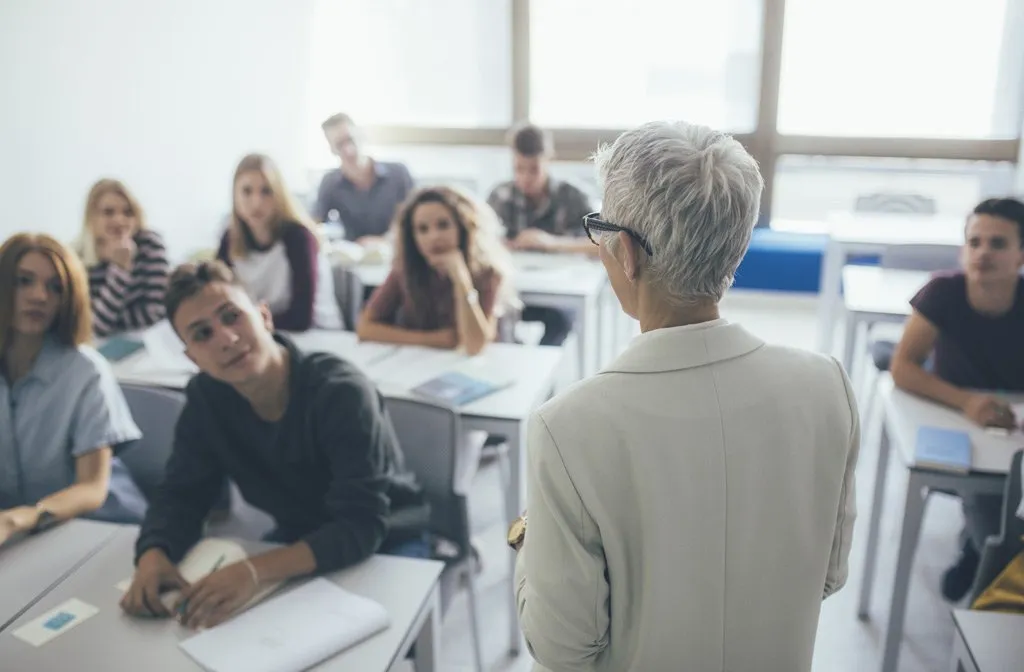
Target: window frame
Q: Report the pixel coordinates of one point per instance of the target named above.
(764, 142)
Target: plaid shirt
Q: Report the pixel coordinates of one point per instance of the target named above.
(561, 214)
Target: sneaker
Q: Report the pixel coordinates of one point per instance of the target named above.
(958, 579)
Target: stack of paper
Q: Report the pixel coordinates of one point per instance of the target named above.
(289, 633)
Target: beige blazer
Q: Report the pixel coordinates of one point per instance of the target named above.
(689, 507)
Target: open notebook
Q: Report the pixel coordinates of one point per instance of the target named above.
(200, 562)
(291, 632)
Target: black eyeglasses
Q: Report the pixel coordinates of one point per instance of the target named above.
(593, 222)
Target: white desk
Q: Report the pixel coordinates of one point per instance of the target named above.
(992, 454)
(30, 567)
(871, 295)
(112, 641)
(987, 642)
(562, 281)
(504, 413)
(871, 235)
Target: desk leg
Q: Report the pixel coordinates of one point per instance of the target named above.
(878, 500)
(850, 343)
(913, 515)
(828, 293)
(428, 642)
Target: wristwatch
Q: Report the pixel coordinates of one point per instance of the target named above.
(473, 297)
(45, 521)
(517, 532)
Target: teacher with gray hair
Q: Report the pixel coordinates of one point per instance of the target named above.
(692, 504)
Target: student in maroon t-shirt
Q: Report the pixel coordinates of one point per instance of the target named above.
(972, 323)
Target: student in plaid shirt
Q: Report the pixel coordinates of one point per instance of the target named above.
(543, 214)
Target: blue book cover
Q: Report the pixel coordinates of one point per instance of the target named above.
(456, 388)
(948, 449)
(117, 348)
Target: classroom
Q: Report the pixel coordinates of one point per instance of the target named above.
(508, 335)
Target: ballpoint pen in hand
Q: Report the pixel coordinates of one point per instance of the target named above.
(184, 603)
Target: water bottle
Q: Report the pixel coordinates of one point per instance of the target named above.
(334, 227)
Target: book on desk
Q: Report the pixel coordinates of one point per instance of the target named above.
(943, 449)
(457, 388)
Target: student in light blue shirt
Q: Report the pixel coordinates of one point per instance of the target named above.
(62, 412)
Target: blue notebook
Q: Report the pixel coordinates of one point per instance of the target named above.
(946, 449)
(457, 388)
(117, 348)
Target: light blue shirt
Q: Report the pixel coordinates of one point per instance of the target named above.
(68, 405)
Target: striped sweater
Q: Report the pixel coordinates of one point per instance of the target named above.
(128, 300)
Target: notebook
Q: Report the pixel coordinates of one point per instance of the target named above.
(291, 632)
(458, 388)
(945, 449)
(117, 348)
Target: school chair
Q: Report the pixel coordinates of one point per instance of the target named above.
(1000, 550)
(437, 451)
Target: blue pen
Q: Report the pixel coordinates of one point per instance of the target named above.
(184, 603)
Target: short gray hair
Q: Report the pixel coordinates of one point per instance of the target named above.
(694, 193)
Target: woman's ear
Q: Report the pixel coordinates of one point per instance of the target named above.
(627, 255)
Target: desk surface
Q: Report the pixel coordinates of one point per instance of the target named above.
(113, 641)
(882, 291)
(396, 370)
(31, 566)
(905, 413)
(896, 229)
(536, 273)
(993, 640)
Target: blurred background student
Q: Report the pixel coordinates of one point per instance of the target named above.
(451, 277)
(541, 213)
(126, 261)
(64, 412)
(364, 192)
(273, 248)
(971, 323)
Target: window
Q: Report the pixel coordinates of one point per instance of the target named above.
(607, 64)
(901, 68)
(809, 189)
(443, 63)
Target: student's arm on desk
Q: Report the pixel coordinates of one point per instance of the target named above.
(907, 366)
(838, 562)
(86, 494)
(376, 323)
(560, 575)
(193, 479)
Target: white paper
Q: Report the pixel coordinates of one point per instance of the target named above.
(291, 632)
(55, 622)
(166, 351)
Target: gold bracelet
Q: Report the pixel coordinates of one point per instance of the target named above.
(252, 570)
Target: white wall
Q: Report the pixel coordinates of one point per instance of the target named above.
(164, 94)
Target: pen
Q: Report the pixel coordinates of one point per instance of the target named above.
(184, 603)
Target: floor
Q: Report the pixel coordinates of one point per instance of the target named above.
(844, 643)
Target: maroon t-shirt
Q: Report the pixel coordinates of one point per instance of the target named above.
(973, 350)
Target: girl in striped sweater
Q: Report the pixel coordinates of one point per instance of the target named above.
(127, 263)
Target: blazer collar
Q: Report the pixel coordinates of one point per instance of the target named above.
(675, 348)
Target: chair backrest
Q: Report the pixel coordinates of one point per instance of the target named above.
(430, 436)
(1000, 550)
(1013, 526)
(348, 290)
(915, 257)
(886, 203)
(156, 411)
